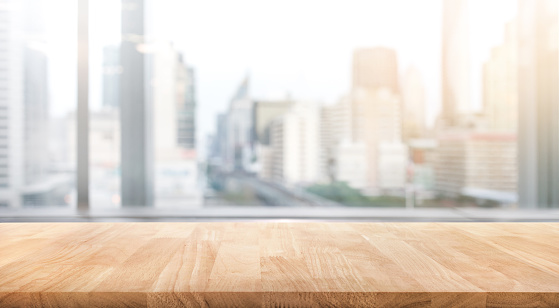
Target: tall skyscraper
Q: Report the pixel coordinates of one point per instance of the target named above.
(263, 115)
(375, 68)
(479, 165)
(24, 105)
(176, 169)
(295, 144)
(11, 102)
(414, 108)
(239, 152)
(500, 84)
(186, 95)
(335, 129)
(36, 189)
(173, 104)
(135, 110)
(377, 115)
(264, 112)
(538, 132)
(220, 140)
(277, 147)
(377, 118)
(455, 61)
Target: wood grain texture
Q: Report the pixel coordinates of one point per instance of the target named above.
(279, 265)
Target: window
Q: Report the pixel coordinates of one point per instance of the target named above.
(280, 108)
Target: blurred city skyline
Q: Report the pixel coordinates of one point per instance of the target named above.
(443, 103)
(303, 50)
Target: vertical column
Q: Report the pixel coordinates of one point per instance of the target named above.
(136, 130)
(538, 152)
(83, 106)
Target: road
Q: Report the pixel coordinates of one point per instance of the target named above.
(243, 189)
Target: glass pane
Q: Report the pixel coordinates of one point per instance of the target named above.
(37, 103)
(368, 104)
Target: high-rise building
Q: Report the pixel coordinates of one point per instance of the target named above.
(264, 113)
(35, 93)
(295, 142)
(274, 169)
(377, 121)
(421, 173)
(414, 108)
(377, 114)
(187, 108)
(38, 184)
(111, 76)
(352, 164)
(335, 128)
(239, 151)
(173, 104)
(500, 84)
(24, 106)
(455, 62)
(375, 68)
(11, 103)
(218, 155)
(479, 165)
(176, 169)
(135, 109)
(538, 132)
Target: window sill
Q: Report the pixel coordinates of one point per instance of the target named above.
(241, 213)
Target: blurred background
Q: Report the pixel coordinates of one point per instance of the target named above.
(257, 105)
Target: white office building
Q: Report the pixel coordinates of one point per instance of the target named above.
(377, 122)
(295, 142)
(176, 166)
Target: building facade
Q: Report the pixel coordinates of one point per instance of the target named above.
(239, 154)
(11, 104)
(264, 115)
(477, 162)
(186, 109)
(301, 144)
(376, 111)
(377, 122)
(335, 128)
(25, 178)
(176, 166)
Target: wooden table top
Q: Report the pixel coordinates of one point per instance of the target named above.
(279, 264)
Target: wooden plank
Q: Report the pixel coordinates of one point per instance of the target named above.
(279, 264)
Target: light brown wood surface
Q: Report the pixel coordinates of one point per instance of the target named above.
(279, 264)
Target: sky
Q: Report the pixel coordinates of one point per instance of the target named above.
(298, 47)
